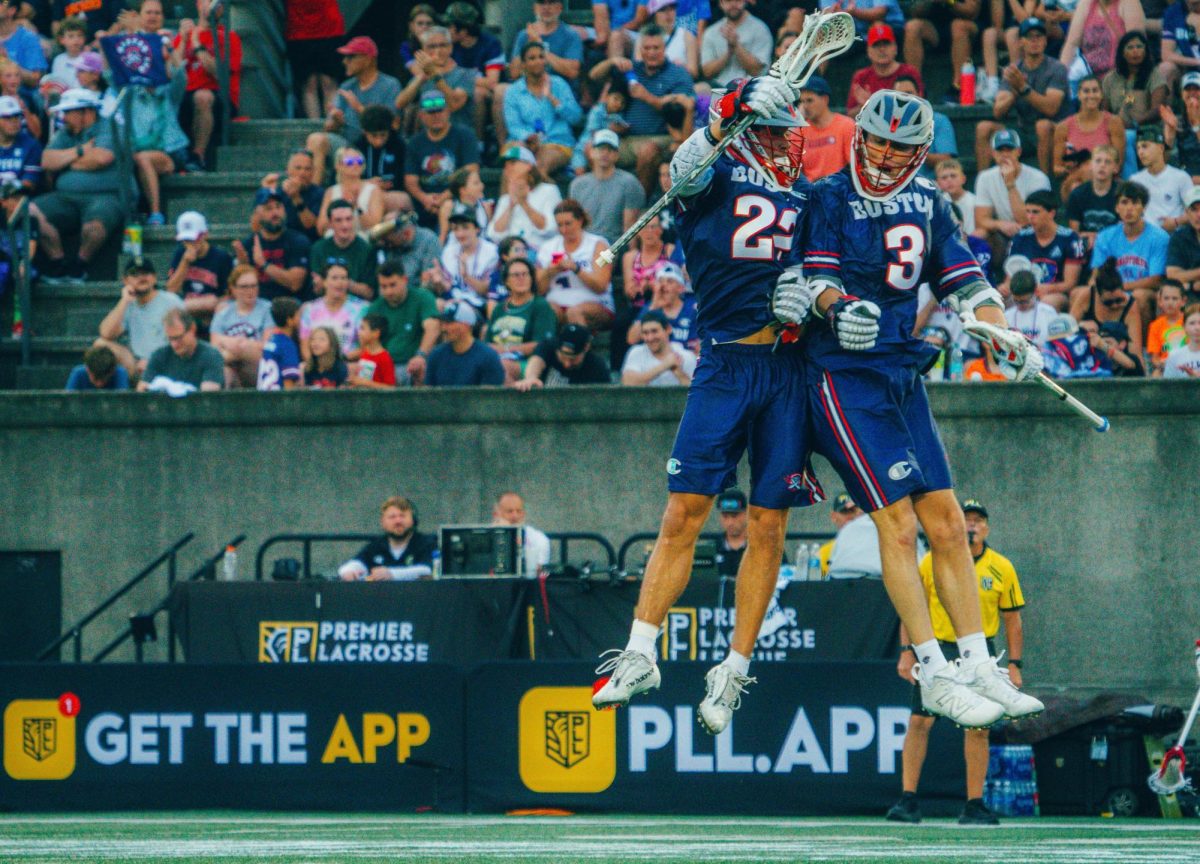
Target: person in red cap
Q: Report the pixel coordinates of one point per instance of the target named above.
(883, 71)
(365, 86)
(200, 112)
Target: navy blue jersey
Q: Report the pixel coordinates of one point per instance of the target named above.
(1049, 260)
(737, 235)
(23, 158)
(882, 252)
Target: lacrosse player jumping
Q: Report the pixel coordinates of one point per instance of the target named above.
(737, 222)
(874, 233)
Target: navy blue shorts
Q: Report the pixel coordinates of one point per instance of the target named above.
(875, 428)
(746, 398)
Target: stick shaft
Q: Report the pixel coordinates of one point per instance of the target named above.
(1071, 402)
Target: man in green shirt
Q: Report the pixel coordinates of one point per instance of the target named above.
(344, 246)
(413, 327)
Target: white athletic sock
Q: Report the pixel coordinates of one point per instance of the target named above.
(643, 637)
(739, 663)
(931, 658)
(973, 649)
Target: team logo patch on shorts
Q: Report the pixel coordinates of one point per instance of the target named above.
(900, 470)
(795, 482)
(674, 466)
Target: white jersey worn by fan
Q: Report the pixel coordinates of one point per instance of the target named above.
(567, 289)
(1033, 325)
(1167, 189)
(639, 359)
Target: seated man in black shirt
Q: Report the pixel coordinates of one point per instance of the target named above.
(402, 553)
(735, 528)
(566, 359)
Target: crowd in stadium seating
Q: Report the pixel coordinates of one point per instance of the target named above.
(405, 272)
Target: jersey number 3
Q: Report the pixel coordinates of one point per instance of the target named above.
(749, 244)
(907, 243)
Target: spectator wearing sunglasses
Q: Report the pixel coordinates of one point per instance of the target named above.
(1110, 301)
(367, 198)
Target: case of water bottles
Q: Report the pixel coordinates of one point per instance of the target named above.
(1011, 788)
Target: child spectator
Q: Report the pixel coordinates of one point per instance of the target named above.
(1113, 343)
(72, 36)
(279, 368)
(607, 113)
(952, 180)
(470, 261)
(1166, 331)
(1167, 185)
(326, 368)
(1055, 252)
(99, 371)
(239, 328)
(1028, 315)
(1184, 361)
(1092, 206)
(466, 191)
(375, 368)
(382, 147)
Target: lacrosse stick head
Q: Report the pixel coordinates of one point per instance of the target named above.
(773, 146)
(892, 135)
(1171, 776)
(825, 36)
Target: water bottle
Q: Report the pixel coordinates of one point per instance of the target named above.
(229, 565)
(630, 76)
(132, 245)
(814, 562)
(956, 363)
(966, 84)
(437, 563)
(801, 562)
(937, 372)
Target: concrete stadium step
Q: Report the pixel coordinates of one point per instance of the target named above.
(253, 132)
(267, 157)
(61, 352)
(222, 196)
(72, 310)
(45, 377)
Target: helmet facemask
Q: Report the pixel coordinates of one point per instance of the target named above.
(776, 152)
(892, 135)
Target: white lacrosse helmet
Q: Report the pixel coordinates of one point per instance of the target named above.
(897, 118)
(774, 147)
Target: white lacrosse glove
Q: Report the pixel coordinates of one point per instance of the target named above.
(765, 96)
(855, 322)
(792, 301)
(1018, 358)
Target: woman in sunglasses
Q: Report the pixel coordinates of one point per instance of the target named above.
(1109, 301)
(367, 198)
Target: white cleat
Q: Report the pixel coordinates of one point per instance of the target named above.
(992, 682)
(630, 673)
(945, 695)
(723, 696)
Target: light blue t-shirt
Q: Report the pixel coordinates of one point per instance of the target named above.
(230, 322)
(25, 49)
(1136, 259)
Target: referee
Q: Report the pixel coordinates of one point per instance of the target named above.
(999, 595)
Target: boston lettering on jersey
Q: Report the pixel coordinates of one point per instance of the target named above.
(738, 236)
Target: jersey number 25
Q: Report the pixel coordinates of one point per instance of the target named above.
(749, 244)
(907, 244)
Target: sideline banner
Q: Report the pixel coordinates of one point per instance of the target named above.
(809, 739)
(179, 736)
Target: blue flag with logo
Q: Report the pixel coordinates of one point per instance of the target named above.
(135, 58)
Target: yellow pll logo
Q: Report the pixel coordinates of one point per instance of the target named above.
(679, 634)
(564, 744)
(287, 641)
(39, 738)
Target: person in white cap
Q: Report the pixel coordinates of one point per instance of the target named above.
(199, 271)
(678, 308)
(20, 152)
(86, 196)
(612, 196)
(462, 360)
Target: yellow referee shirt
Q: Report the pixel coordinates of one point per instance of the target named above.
(999, 591)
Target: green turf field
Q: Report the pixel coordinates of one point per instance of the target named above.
(241, 838)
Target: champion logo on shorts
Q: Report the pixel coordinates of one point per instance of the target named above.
(673, 466)
(900, 470)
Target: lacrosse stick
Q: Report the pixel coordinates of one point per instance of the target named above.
(824, 37)
(1000, 341)
(1171, 776)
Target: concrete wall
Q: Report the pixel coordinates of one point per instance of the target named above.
(1098, 525)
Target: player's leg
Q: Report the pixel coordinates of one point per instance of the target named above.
(916, 745)
(781, 477)
(703, 463)
(861, 429)
(953, 567)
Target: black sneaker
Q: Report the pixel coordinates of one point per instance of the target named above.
(905, 810)
(975, 812)
(194, 164)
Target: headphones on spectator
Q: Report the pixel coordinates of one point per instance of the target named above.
(416, 517)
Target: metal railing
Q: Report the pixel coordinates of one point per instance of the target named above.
(650, 536)
(564, 539)
(142, 626)
(219, 15)
(74, 633)
(18, 236)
